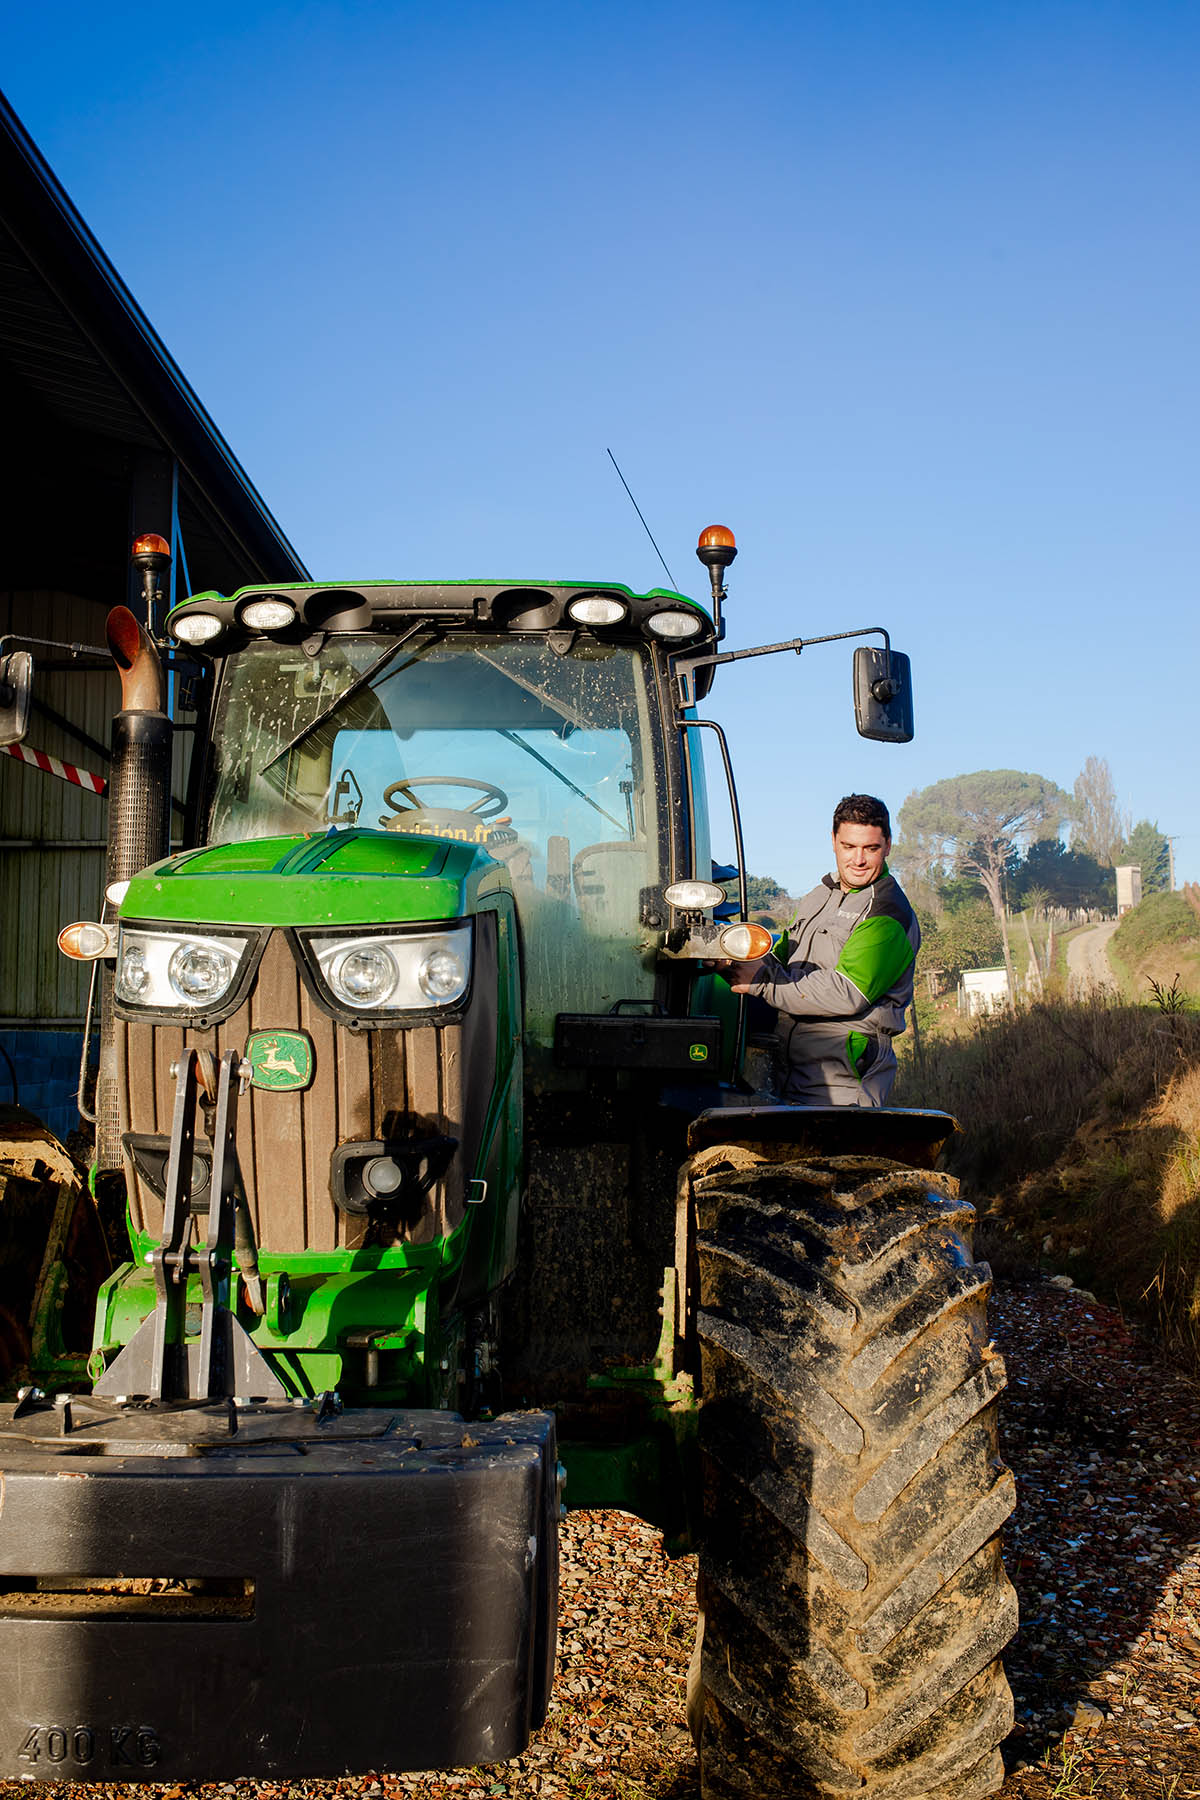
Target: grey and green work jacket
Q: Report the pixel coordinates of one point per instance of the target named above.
(843, 994)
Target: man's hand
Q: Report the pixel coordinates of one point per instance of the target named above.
(740, 975)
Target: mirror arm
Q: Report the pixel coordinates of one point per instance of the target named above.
(17, 637)
(683, 668)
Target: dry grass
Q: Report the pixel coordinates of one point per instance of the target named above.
(1175, 1287)
(1082, 1125)
(1022, 1085)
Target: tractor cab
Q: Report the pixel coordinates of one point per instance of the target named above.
(536, 726)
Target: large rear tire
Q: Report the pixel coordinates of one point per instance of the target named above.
(853, 1598)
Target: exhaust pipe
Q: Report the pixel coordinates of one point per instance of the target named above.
(139, 820)
(139, 782)
(143, 688)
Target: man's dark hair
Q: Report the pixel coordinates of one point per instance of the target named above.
(862, 809)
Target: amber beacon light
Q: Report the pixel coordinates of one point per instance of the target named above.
(717, 538)
(151, 555)
(716, 549)
(150, 544)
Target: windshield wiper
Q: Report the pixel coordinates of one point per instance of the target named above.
(565, 779)
(564, 711)
(356, 686)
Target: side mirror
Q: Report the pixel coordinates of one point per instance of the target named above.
(883, 706)
(16, 688)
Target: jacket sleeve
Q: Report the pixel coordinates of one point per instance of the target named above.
(873, 958)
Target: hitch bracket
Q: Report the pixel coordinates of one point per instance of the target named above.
(159, 1363)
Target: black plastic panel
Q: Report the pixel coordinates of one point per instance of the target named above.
(403, 1595)
(637, 1041)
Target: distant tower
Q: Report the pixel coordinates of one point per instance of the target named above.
(1129, 886)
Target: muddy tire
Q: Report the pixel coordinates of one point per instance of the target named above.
(854, 1602)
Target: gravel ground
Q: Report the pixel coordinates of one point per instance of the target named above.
(1088, 968)
(1105, 1551)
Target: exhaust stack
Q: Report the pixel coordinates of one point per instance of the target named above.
(139, 783)
(139, 819)
(143, 688)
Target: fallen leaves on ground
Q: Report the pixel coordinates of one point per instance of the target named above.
(1104, 1549)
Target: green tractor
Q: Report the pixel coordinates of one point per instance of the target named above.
(450, 1201)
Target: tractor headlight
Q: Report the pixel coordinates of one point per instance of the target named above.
(169, 970)
(693, 896)
(271, 614)
(442, 976)
(597, 609)
(197, 628)
(402, 973)
(362, 975)
(675, 624)
(200, 973)
(133, 977)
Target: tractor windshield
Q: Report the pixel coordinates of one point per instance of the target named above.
(546, 760)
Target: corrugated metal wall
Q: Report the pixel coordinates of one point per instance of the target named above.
(52, 834)
(53, 853)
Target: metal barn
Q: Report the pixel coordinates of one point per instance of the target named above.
(106, 441)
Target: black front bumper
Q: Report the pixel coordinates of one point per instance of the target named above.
(304, 1597)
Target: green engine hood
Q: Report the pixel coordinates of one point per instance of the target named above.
(353, 877)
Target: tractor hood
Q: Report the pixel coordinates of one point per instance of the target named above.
(342, 877)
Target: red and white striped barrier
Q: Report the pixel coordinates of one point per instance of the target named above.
(50, 765)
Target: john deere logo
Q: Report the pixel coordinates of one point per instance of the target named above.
(280, 1060)
(698, 1052)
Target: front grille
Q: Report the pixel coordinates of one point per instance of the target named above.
(423, 1082)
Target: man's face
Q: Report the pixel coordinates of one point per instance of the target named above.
(861, 851)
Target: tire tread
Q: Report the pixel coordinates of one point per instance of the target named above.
(853, 1624)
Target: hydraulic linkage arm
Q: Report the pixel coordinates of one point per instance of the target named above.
(162, 1362)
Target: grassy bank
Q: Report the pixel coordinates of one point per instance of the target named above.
(1082, 1125)
(1158, 941)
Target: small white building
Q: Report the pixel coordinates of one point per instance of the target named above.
(1129, 886)
(982, 991)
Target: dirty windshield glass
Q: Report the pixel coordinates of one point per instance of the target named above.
(544, 760)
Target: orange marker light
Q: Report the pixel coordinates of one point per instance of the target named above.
(714, 535)
(744, 943)
(85, 942)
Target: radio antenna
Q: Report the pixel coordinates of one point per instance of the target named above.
(637, 509)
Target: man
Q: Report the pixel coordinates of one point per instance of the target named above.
(850, 950)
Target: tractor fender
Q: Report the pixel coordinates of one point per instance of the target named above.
(915, 1136)
(743, 1137)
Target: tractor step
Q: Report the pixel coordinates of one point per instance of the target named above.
(200, 1593)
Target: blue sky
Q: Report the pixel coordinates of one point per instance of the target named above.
(905, 294)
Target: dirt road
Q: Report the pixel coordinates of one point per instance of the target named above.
(1088, 967)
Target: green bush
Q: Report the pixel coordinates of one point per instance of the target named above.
(967, 938)
(1160, 919)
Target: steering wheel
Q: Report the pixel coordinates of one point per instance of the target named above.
(492, 802)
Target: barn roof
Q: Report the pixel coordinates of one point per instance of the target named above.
(103, 414)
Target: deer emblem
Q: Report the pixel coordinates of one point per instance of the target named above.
(272, 1063)
(282, 1059)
